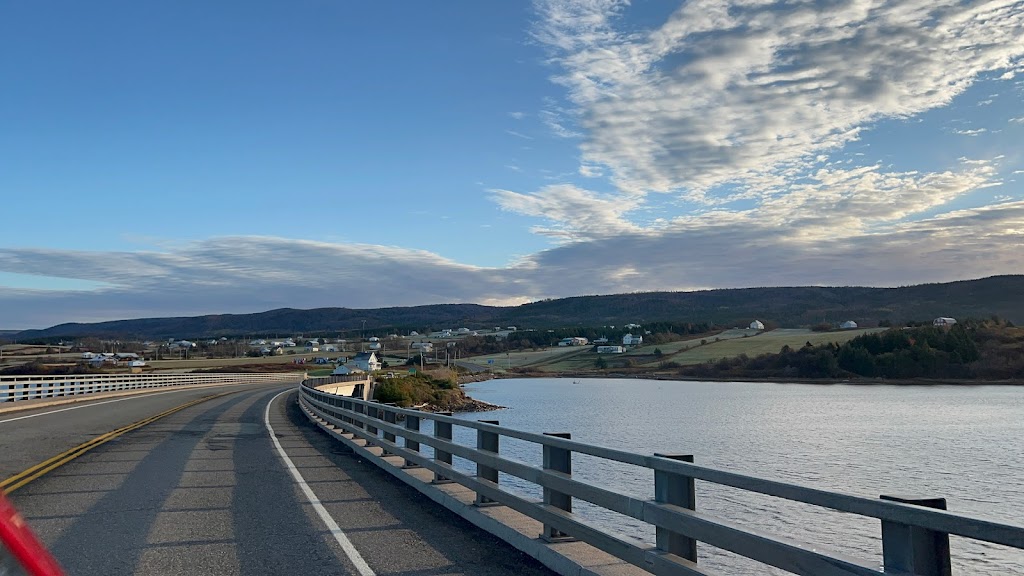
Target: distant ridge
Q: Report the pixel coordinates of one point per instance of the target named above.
(786, 307)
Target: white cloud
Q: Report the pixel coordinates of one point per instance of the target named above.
(588, 171)
(731, 91)
(517, 115)
(575, 213)
(248, 274)
(974, 132)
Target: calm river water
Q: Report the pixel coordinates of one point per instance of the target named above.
(962, 443)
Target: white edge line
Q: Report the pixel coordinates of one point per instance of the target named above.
(361, 566)
(134, 397)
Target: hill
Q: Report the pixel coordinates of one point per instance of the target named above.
(787, 307)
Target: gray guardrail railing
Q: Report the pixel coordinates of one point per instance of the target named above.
(914, 532)
(17, 388)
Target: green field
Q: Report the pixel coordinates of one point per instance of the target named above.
(764, 343)
(730, 343)
(673, 347)
(219, 362)
(502, 361)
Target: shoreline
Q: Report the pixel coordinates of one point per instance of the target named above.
(812, 381)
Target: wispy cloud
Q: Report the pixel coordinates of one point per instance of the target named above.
(574, 213)
(518, 134)
(974, 132)
(556, 123)
(517, 115)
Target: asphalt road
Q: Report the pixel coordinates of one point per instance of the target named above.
(204, 491)
(28, 437)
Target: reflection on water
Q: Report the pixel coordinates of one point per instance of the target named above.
(961, 443)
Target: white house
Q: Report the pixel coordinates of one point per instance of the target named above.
(848, 325)
(573, 341)
(943, 321)
(756, 325)
(630, 340)
(423, 346)
(601, 340)
(330, 348)
(344, 370)
(365, 361)
(88, 355)
(610, 349)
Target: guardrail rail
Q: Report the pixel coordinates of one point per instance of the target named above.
(914, 532)
(18, 388)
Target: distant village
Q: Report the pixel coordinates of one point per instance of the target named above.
(360, 354)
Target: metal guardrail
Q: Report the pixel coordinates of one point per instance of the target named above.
(334, 379)
(17, 388)
(914, 532)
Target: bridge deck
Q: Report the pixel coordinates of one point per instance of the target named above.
(203, 491)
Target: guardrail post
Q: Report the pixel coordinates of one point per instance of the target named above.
(913, 549)
(486, 441)
(389, 417)
(442, 430)
(371, 411)
(344, 408)
(412, 423)
(358, 409)
(557, 460)
(678, 490)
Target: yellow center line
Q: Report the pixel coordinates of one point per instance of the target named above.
(29, 474)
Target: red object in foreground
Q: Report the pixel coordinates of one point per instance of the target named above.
(23, 545)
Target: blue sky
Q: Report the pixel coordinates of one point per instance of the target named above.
(176, 159)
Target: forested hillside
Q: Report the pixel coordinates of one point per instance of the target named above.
(781, 307)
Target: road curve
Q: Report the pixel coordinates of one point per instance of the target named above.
(204, 491)
(28, 437)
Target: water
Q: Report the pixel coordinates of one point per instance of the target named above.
(962, 443)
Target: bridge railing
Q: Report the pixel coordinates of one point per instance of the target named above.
(334, 379)
(914, 532)
(17, 388)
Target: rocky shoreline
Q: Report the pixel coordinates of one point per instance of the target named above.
(464, 404)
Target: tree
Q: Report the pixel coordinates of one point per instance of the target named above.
(601, 363)
(658, 352)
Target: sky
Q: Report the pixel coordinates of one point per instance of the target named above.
(193, 157)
